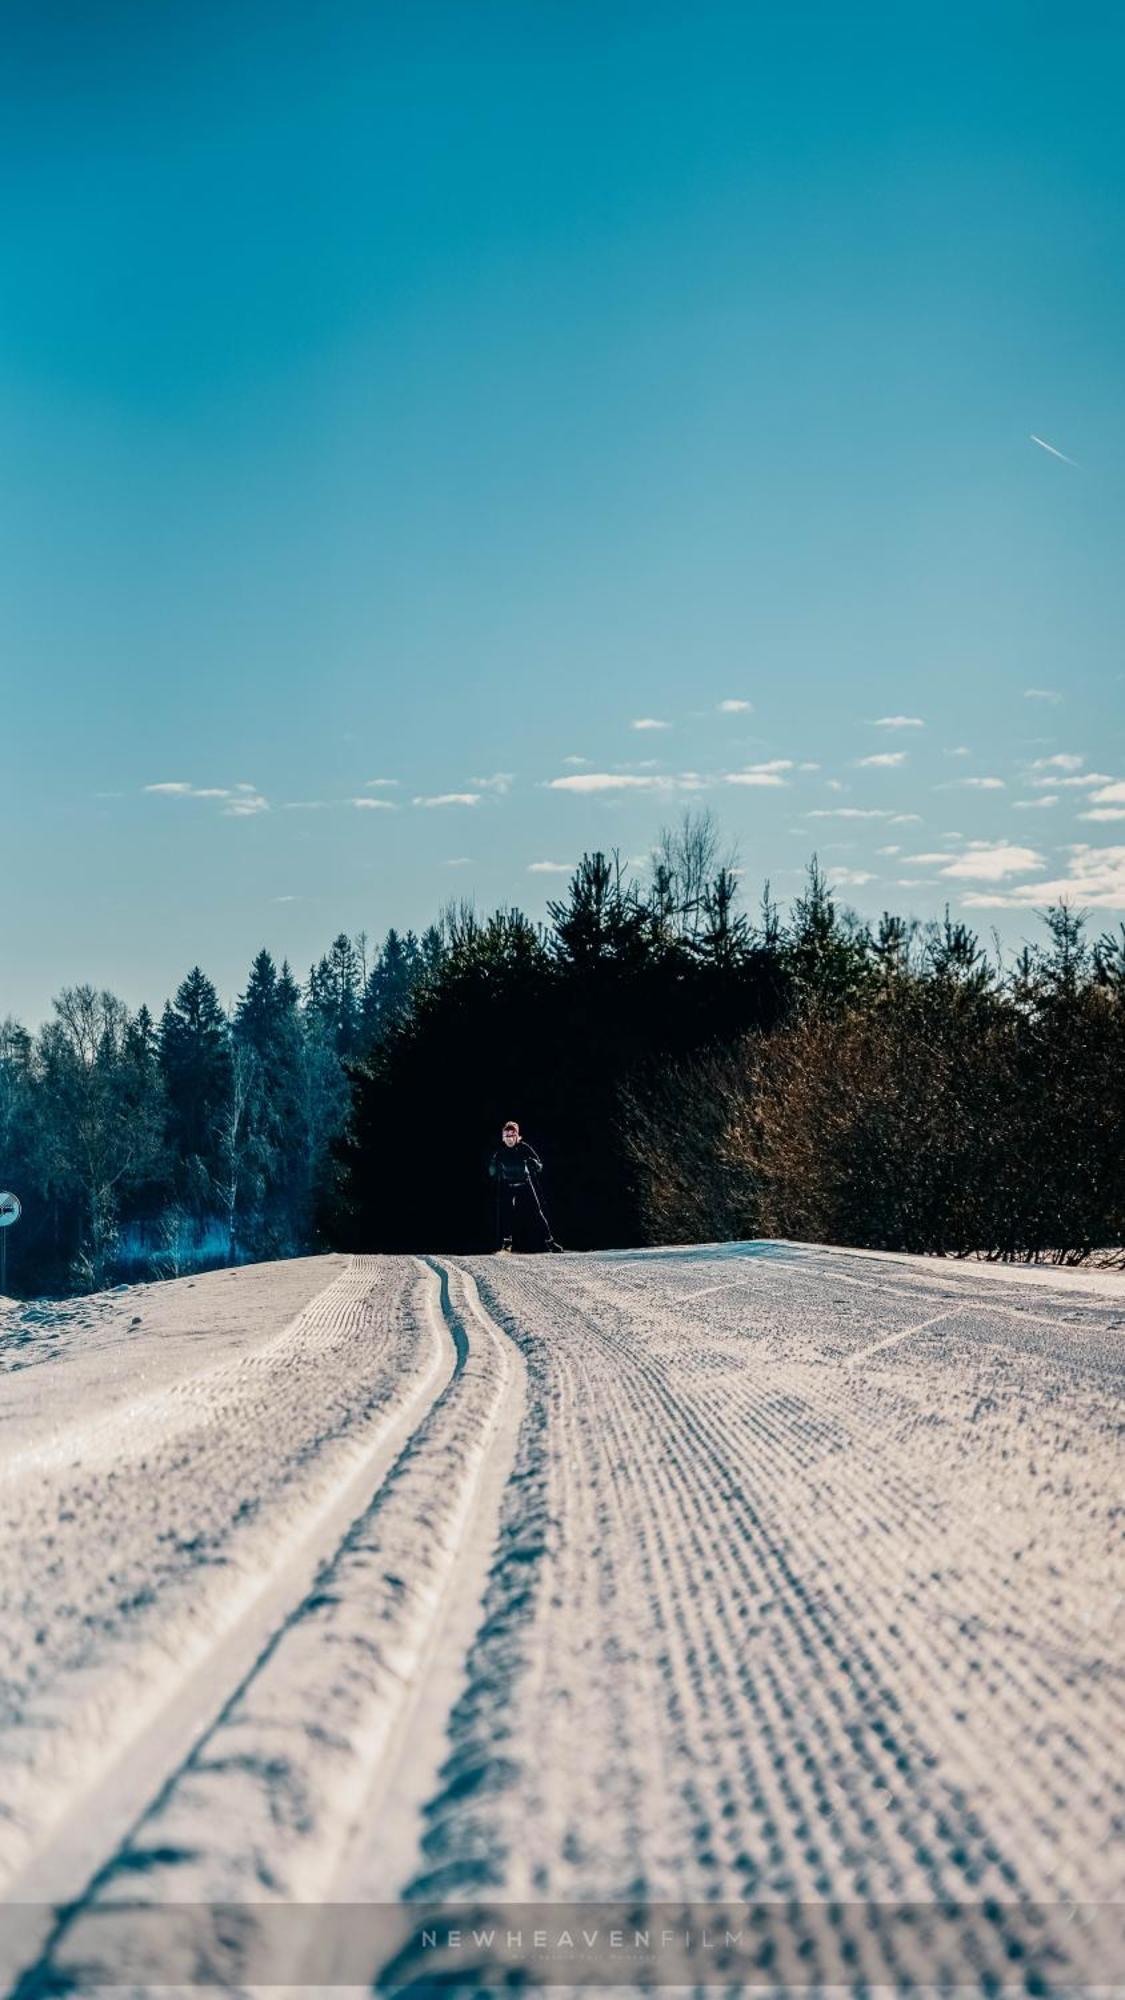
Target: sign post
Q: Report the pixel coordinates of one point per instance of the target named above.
(11, 1208)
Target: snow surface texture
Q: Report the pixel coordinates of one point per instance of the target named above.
(753, 1575)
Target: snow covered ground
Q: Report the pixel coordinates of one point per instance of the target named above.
(358, 1613)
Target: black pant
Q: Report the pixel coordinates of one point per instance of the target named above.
(517, 1207)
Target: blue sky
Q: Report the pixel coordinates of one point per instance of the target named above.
(431, 394)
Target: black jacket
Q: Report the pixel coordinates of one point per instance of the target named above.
(510, 1165)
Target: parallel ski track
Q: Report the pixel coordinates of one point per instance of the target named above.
(269, 1801)
(814, 1630)
(185, 1546)
(679, 1579)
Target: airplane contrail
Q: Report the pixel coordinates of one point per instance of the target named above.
(1042, 442)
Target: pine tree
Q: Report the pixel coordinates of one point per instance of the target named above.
(195, 1060)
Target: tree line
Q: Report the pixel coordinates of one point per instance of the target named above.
(144, 1147)
(690, 1072)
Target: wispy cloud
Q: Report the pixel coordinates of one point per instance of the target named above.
(973, 785)
(549, 867)
(849, 878)
(888, 850)
(649, 722)
(883, 759)
(1036, 805)
(246, 804)
(237, 802)
(851, 812)
(460, 861)
(1055, 453)
(178, 788)
(374, 805)
(1063, 760)
(898, 722)
(1086, 781)
(500, 782)
(770, 773)
(1096, 879)
(381, 784)
(1108, 803)
(625, 781)
(449, 799)
(989, 861)
(1042, 694)
(735, 706)
(576, 761)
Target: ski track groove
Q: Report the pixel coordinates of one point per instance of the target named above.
(265, 1806)
(809, 1658)
(801, 1595)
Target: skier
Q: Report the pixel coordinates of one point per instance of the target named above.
(511, 1168)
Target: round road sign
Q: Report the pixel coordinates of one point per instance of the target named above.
(10, 1210)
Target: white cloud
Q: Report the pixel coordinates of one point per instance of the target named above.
(989, 861)
(622, 781)
(806, 766)
(1036, 805)
(380, 784)
(449, 799)
(649, 722)
(1088, 782)
(1042, 694)
(850, 812)
(769, 773)
(888, 850)
(849, 878)
(549, 867)
(600, 781)
(1104, 813)
(177, 788)
(247, 805)
(1096, 880)
(243, 802)
(735, 707)
(373, 805)
(1063, 760)
(460, 861)
(906, 819)
(927, 860)
(500, 782)
(973, 785)
(576, 760)
(1112, 794)
(898, 722)
(883, 759)
(959, 750)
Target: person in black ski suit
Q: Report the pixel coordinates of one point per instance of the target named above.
(511, 1168)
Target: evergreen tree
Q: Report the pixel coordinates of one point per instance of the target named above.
(195, 1061)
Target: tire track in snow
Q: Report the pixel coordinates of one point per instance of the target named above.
(265, 1809)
